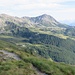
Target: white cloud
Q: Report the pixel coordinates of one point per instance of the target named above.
(14, 2)
(37, 6)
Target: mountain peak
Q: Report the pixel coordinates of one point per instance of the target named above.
(45, 16)
(46, 21)
(43, 20)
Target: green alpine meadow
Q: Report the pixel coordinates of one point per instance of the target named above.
(36, 46)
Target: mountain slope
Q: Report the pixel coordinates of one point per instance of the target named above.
(46, 20)
(42, 20)
(27, 30)
(29, 64)
(10, 25)
(44, 45)
(21, 27)
(37, 42)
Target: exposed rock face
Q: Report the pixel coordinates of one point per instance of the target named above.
(42, 20)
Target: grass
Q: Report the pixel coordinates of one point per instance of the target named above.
(23, 67)
(50, 33)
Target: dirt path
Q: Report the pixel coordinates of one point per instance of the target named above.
(9, 54)
(37, 71)
(6, 54)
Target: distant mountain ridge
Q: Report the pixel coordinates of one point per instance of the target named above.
(45, 21)
(42, 20)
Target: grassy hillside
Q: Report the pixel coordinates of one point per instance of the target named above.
(24, 66)
(45, 45)
(59, 49)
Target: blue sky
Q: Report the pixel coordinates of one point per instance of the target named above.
(59, 9)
